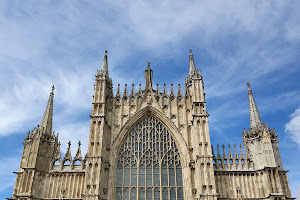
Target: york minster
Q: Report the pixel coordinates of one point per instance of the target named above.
(152, 144)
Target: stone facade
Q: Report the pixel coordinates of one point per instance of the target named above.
(151, 144)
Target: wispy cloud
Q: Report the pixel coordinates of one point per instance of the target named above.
(7, 178)
(63, 43)
(293, 126)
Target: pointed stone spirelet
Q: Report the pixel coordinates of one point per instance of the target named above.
(255, 120)
(165, 90)
(219, 155)
(140, 92)
(192, 68)
(104, 68)
(157, 90)
(68, 153)
(230, 154)
(172, 91)
(236, 156)
(132, 91)
(125, 95)
(118, 94)
(224, 153)
(179, 93)
(46, 124)
(78, 153)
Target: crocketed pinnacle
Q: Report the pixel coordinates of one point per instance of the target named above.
(68, 153)
(46, 124)
(255, 119)
(148, 77)
(236, 156)
(192, 68)
(224, 153)
(125, 95)
(230, 154)
(179, 93)
(218, 155)
(78, 153)
(172, 94)
(132, 91)
(118, 91)
(104, 68)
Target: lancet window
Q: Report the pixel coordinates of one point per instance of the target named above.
(149, 164)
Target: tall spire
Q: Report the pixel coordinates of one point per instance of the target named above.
(104, 68)
(148, 76)
(192, 68)
(255, 119)
(47, 119)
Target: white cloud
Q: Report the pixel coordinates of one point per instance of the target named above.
(74, 132)
(7, 178)
(293, 126)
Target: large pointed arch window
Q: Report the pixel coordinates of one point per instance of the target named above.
(149, 164)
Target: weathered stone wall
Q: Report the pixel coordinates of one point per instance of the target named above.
(252, 184)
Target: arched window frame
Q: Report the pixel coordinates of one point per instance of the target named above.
(149, 146)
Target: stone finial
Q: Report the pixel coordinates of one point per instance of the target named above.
(104, 68)
(46, 124)
(255, 120)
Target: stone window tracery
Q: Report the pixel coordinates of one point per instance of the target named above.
(149, 164)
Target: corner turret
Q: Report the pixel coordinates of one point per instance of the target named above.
(259, 140)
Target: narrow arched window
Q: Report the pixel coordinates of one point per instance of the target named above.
(149, 164)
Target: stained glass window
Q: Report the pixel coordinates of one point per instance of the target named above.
(149, 164)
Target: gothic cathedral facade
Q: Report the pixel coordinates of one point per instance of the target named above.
(151, 144)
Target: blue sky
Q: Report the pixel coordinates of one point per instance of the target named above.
(63, 43)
